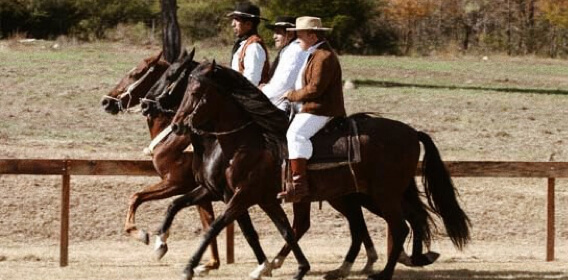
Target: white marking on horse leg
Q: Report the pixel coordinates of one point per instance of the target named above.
(265, 269)
(201, 270)
(160, 247)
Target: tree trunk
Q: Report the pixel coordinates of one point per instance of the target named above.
(171, 40)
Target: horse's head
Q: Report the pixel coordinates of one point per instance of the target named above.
(202, 101)
(134, 85)
(166, 94)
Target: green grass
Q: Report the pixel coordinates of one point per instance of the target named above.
(53, 96)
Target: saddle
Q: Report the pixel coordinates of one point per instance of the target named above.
(337, 144)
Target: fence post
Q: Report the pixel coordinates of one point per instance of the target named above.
(550, 227)
(230, 243)
(64, 235)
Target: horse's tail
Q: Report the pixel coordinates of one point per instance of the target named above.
(441, 193)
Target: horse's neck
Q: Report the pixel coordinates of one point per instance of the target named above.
(247, 138)
(158, 124)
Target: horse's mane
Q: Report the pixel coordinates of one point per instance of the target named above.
(252, 100)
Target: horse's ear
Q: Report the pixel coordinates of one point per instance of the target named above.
(156, 58)
(192, 54)
(213, 64)
(183, 54)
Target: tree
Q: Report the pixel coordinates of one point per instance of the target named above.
(171, 37)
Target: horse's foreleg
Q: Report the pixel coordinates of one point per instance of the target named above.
(300, 226)
(278, 216)
(237, 206)
(264, 267)
(198, 195)
(157, 191)
(207, 216)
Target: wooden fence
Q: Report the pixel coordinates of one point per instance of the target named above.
(68, 167)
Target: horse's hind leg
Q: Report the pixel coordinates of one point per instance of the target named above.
(278, 216)
(161, 190)
(418, 217)
(392, 213)
(350, 207)
(300, 226)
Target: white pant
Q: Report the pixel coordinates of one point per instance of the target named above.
(302, 128)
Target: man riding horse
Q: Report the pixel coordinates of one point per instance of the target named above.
(319, 94)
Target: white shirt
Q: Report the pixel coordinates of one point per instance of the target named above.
(253, 61)
(291, 59)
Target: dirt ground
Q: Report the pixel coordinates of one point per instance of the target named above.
(55, 114)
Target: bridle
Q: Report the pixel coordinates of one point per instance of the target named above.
(168, 91)
(128, 92)
(202, 100)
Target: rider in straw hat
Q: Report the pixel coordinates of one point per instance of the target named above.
(249, 54)
(319, 91)
(286, 66)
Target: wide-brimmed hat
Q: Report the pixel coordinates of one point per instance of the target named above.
(308, 23)
(246, 10)
(283, 22)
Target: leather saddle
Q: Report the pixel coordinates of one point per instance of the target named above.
(337, 144)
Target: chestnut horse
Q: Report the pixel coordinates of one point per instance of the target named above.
(221, 102)
(168, 156)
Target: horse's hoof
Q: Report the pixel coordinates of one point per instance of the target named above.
(144, 237)
(264, 269)
(186, 276)
(335, 274)
(432, 256)
(201, 270)
(160, 251)
(277, 262)
(302, 271)
(405, 259)
(367, 269)
(379, 276)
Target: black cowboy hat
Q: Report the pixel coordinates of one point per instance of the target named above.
(282, 21)
(246, 10)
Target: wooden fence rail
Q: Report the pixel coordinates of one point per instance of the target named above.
(68, 167)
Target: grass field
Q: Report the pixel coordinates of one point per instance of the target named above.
(501, 108)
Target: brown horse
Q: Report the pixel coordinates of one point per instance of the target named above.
(221, 102)
(416, 213)
(172, 163)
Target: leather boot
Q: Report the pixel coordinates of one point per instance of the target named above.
(298, 188)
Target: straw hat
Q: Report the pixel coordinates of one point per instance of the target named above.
(308, 23)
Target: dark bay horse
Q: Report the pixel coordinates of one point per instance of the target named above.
(172, 163)
(208, 171)
(221, 102)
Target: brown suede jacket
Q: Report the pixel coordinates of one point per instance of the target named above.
(322, 93)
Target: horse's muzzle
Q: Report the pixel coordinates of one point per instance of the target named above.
(110, 106)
